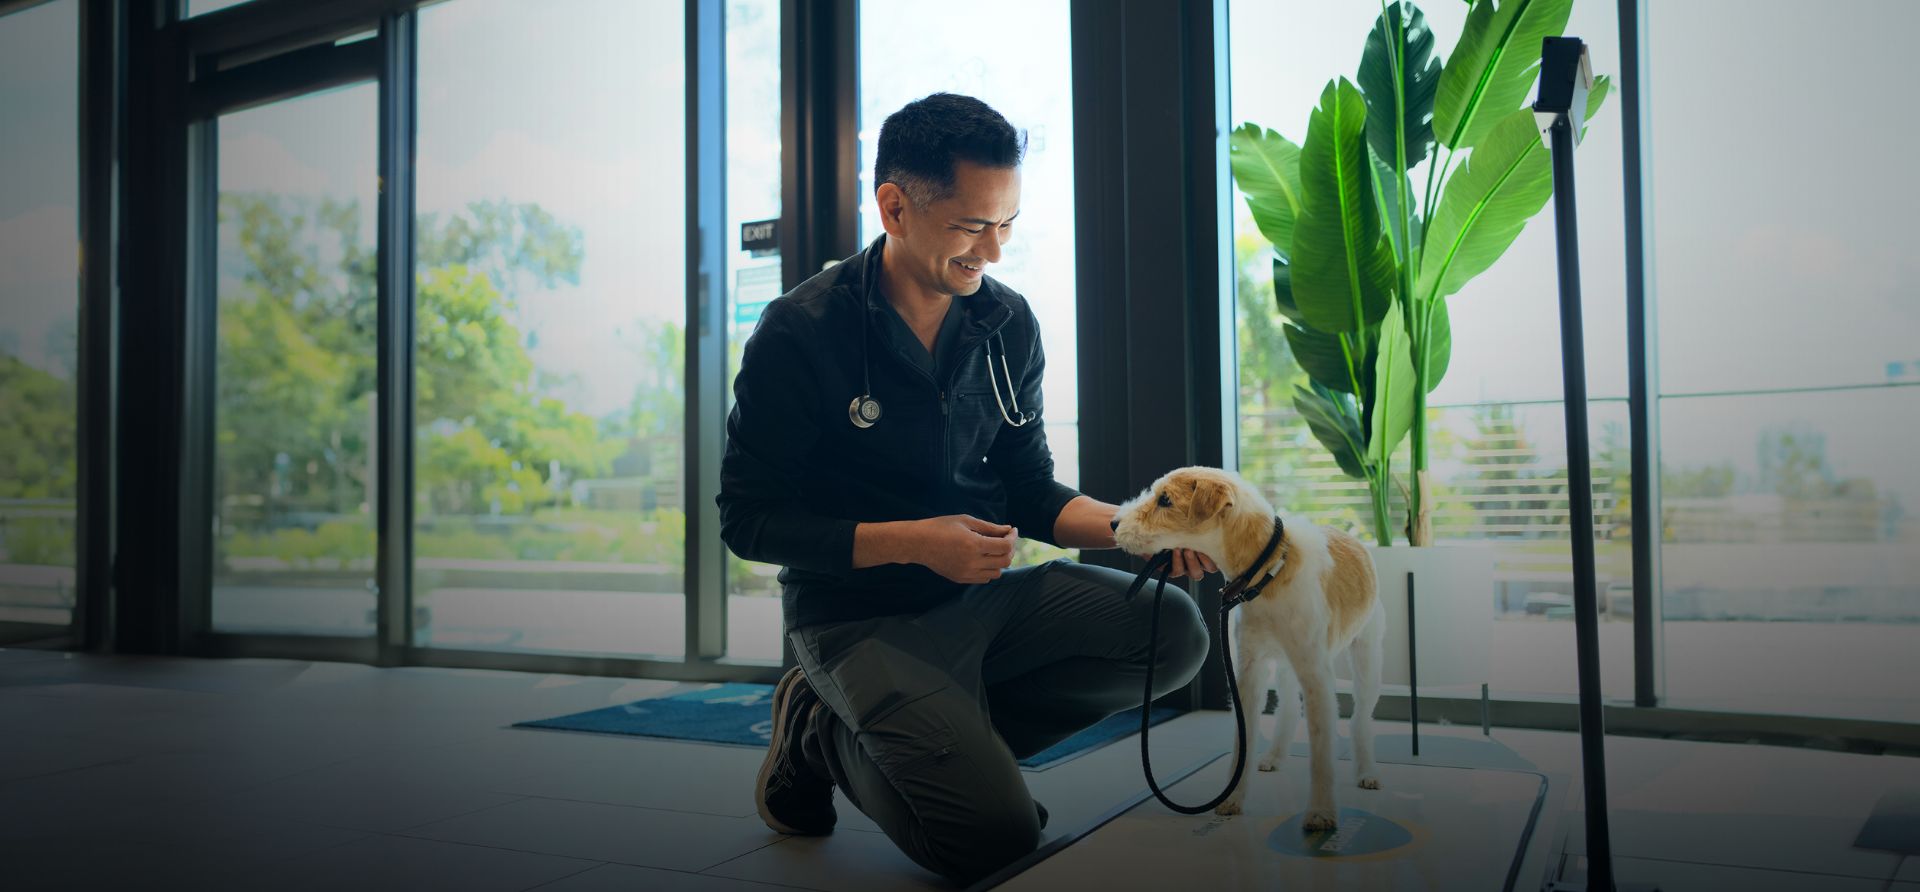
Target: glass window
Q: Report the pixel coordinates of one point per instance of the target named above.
(1787, 365)
(1791, 563)
(1025, 73)
(753, 278)
(1497, 453)
(39, 310)
(294, 464)
(1783, 267)
(549, 498)
(202, 7)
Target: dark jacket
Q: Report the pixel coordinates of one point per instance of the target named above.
(798, 476)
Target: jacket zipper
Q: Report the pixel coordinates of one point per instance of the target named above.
(946, 411)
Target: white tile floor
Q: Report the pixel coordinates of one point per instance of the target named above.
(151, 773)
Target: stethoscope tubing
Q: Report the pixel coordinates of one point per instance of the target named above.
(1017, 418)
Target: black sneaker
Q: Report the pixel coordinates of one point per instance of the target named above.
(792, 797)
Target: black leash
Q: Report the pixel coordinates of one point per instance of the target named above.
(1241, 590)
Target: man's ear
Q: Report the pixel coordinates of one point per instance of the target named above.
(892, 202)
(1210, 497)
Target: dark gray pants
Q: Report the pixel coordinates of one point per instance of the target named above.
(930, 712)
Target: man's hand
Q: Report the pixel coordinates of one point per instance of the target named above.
(1191, 564)
(964, 548)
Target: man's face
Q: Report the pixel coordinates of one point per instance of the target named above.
(947, 245)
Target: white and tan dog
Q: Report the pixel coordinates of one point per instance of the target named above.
(1321, 600)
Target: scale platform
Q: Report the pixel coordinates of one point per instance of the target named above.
(1428, 827)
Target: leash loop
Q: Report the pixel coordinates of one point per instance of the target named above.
(1237, 592)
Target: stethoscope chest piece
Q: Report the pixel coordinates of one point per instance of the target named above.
(863, 411)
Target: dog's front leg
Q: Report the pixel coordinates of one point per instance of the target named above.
(1251, 670)
(1316, 681)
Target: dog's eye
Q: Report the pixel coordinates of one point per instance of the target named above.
(1163, 501)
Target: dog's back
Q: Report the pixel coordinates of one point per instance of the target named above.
(1349, 584)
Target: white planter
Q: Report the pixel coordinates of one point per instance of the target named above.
(1453, 606)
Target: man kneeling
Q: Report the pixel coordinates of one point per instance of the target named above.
(928, 669)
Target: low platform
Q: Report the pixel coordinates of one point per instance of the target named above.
(1428, 827)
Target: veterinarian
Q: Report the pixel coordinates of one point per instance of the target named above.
(887, 449)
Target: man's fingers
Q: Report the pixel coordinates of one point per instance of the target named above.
(980, 526)
(996, 546)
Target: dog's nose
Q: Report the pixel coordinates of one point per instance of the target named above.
(1115, 524)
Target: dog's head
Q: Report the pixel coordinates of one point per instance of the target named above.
(1186, 508)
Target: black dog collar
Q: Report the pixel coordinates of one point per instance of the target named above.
(1243, 589)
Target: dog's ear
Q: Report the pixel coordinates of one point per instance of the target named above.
(1210, 497)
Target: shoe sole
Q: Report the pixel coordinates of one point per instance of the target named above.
(774, 748)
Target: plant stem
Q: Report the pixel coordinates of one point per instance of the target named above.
(1409, 305)
(1378, 483)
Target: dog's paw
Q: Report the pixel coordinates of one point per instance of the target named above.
(1229, 807)
(1369, 782)
(1319, 819)
(1268, 764)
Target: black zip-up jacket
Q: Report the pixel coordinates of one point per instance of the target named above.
(798, 476)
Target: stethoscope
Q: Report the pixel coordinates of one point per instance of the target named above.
(864, 411)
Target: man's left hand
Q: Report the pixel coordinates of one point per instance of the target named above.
(1191, 564)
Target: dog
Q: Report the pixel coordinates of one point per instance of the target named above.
(1322, 599)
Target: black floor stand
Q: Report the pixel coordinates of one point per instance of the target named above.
(1564, 78)
(1413, 673)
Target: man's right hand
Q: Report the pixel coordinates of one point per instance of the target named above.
(964, 548)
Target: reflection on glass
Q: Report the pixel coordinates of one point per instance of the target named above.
(1497, 454)
(1024, 73)
(39, 138)
(550, 262)
(1791, 566)
(753, 278)
(294, 478)
(202, 7)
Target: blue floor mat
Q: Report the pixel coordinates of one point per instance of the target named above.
(742, 715)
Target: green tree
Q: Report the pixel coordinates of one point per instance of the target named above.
(297, 369)
(37, 442)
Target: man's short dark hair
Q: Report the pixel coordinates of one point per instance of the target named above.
(920, 143)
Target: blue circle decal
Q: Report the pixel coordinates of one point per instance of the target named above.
(1359, 833)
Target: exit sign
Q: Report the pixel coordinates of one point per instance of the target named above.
(760, 237)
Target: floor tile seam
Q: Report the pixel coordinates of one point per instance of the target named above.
(412, 834)
(545, 883)
(472, 811)
(782, 838)
(1812, 873)
(392, 834)
(71, 769)
(652, 808)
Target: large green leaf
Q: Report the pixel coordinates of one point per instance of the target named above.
(1493, 66)
(1388, 198)
(1283, 291)
(1392, 411)
(1439, 348)
(1505, 181)
(1267, 167)
(1342, 265)
(1320, 356)
(1402, 27)
(1335, 425)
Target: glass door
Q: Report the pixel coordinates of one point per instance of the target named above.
(294, 487)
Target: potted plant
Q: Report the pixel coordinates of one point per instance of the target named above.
(1362, 271)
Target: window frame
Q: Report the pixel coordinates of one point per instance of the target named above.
(151, 82)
